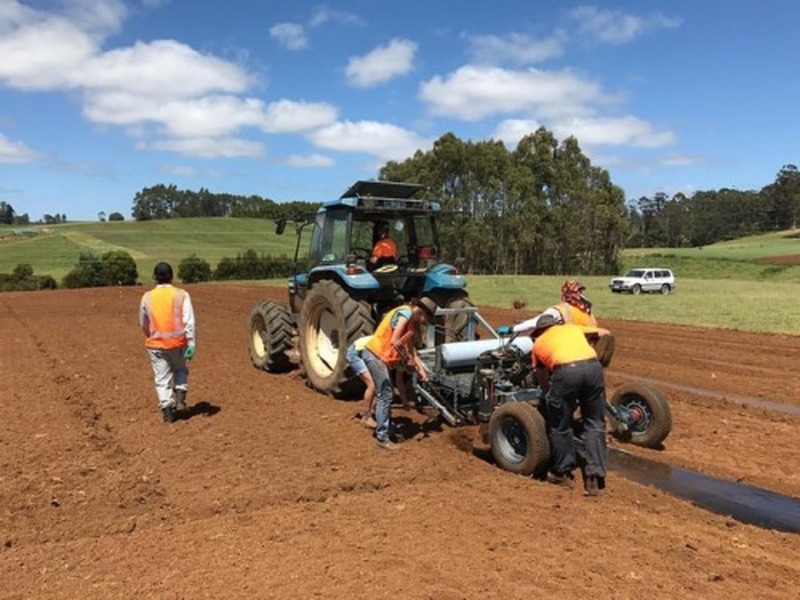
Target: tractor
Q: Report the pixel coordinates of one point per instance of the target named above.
(342, 294)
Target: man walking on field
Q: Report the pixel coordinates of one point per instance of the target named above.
(167, 319)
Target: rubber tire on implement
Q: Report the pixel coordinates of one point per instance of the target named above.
(653, 402)
(604, 346)
(330, 321)
(270, 333)
(518, 439)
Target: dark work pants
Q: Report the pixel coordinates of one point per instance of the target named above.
(580, 384)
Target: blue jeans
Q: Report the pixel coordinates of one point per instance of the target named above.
(383, 391)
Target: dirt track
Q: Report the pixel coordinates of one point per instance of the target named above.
(273, 491)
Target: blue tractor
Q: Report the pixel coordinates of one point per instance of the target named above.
(344, 292)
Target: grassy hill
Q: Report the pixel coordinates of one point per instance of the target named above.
(772, 256)
(54, 249)
(723, 285)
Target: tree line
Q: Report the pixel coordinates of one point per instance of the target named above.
(167, 202)
(539, 208)
(711, 216)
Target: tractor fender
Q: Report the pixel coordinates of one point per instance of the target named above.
(359, 281)
(443, 276)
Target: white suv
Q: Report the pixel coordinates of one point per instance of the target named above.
(637, 281)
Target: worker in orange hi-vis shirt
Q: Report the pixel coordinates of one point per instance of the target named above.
(384, 251)
(166, 317)
(571, 376)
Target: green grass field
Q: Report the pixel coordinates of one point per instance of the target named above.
(719, 286)
(54, 249)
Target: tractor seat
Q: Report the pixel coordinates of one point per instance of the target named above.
(460, 356)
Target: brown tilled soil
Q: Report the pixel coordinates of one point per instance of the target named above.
(270, 490)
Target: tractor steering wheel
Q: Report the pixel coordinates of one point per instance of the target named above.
(361, 253)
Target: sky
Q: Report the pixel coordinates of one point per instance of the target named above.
(100, 99)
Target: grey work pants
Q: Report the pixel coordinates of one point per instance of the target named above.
(580, 384)
(169, 371)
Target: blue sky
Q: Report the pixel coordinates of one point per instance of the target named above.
(296, 100)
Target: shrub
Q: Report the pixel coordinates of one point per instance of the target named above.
(22, 272)
(116, 267)
(119, 268)
(115, 216)
(194, 269)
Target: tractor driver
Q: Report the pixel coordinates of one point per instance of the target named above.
(384, 251)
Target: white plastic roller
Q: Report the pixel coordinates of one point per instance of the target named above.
(461, 355)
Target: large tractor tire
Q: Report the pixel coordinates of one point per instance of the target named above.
(518, 437)
(271, 333)
(650, 418)
(330, 321)
(453, 327)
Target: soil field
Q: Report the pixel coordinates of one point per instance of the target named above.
(270, 490)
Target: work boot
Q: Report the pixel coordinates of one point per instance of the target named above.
(180, 399)
(566, 480)
(592, 486)
(387, 444)
(169, 414)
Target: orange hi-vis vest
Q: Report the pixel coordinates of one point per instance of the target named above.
(381, 343)
(574, 315)
(164, 308)
(563, 344)
(384, 248)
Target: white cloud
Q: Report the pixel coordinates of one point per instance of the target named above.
(381, 64)
(616, 27)
(309, 160)
(472, 93)
(41, 55)
(614, 131)
(515, 48)
(162, 69)
(286, 116)
(511, 131)
(384, 140)
(590, 131)
(14, 152)
(180, 171)
(682, 160)
(289, 35)
(324, 15)
(207, 147)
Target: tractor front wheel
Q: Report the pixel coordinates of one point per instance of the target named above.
(270, 334)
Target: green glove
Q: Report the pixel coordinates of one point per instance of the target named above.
(189, 352)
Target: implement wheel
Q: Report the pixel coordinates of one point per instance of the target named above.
(518, 439)
(646, 414)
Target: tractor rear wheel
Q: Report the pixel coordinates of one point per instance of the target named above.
(270, 334)
(518, 438)
(650, 419)
(330, 320)
(453, 326)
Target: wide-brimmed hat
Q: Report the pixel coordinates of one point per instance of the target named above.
(428, 305)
